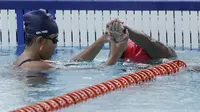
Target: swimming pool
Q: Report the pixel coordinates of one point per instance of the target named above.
(175, 93)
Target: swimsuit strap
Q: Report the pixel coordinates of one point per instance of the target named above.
(27, 60)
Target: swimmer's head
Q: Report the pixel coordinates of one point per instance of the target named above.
(41, 32)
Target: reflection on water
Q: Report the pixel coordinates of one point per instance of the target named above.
(36, 78)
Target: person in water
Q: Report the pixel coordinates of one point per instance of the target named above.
(41, 39)
(140, 47)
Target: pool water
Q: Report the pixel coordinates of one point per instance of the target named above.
(179, 92)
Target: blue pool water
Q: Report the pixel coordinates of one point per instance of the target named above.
(176, 93)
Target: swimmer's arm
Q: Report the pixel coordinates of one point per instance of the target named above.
(154, 48)
(111, 60)
(90, 53)
(113, 55)
(116, 52)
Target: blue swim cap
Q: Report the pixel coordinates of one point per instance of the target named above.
(39, 23)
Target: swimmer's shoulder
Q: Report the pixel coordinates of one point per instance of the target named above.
(39, 65)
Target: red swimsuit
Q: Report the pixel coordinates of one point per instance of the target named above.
(135, 53)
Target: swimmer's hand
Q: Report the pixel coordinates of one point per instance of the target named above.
(116, 49)
(117, 31)
(107, 36)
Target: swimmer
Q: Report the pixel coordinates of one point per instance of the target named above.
(41, 32)
(140, 47)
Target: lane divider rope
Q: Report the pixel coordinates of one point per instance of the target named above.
(84, 94)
